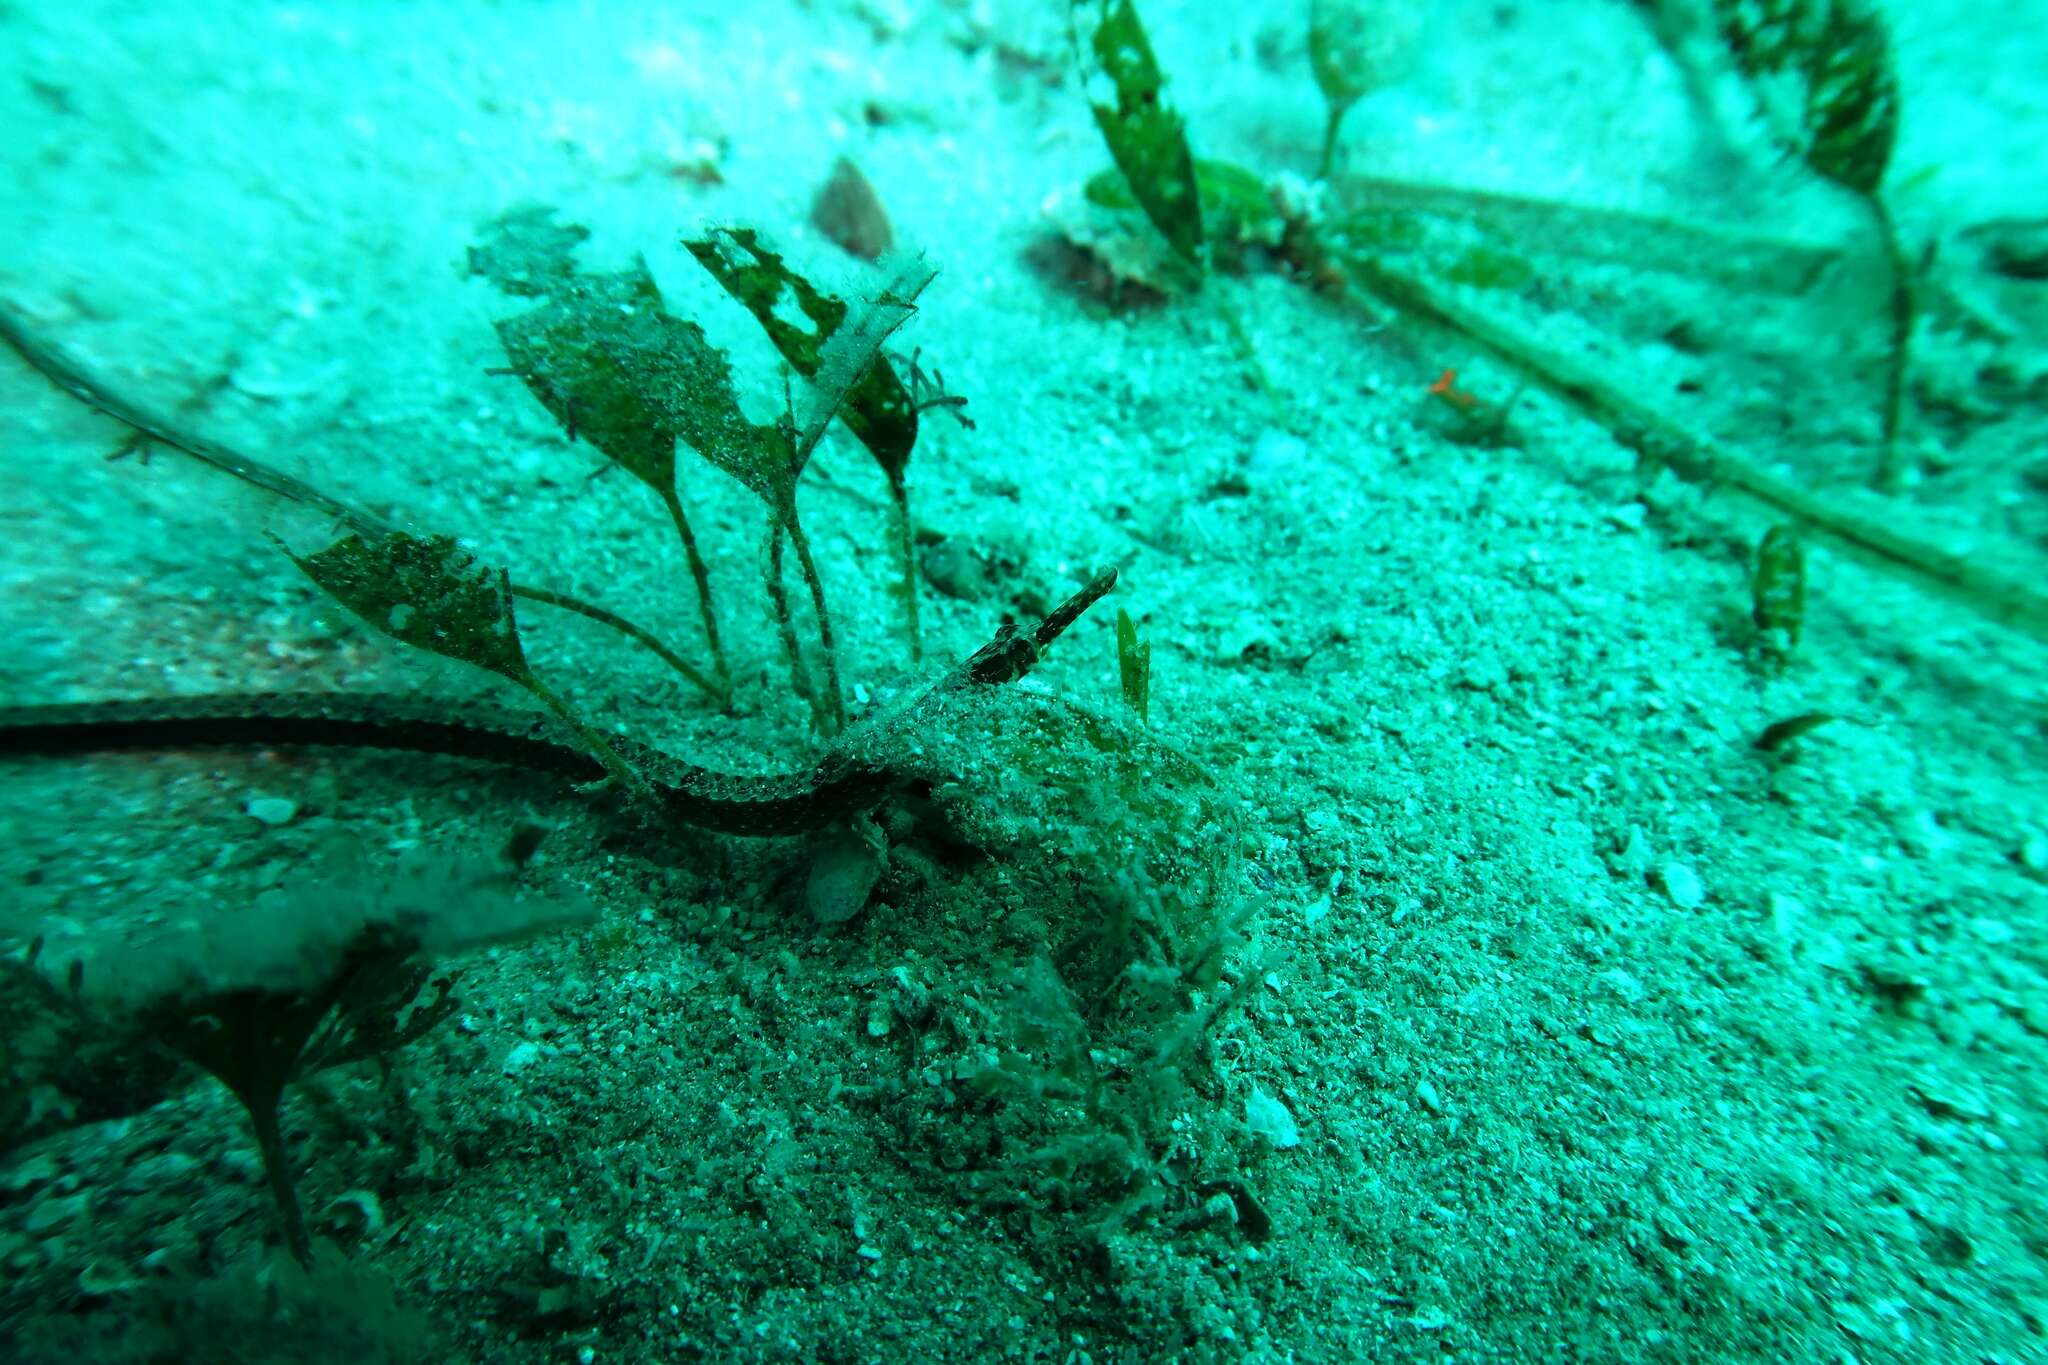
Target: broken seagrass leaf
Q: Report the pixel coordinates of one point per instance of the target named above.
(849, 355)
(878, 409)
(852, 356)
(1146, 137)
(1134, 666)
(841, 354)
(1777, 589)
(591, 355)
(523, 252)
(607, 359)
(2007, 599)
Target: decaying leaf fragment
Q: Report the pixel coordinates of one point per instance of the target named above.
(877, 408)
(849, 212)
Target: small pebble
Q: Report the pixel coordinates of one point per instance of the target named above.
(38, 1170)
(1277, 455)
(271, 810)
(1682, 885)
(1268, 1118)
(47, 1215)
(159, 1171)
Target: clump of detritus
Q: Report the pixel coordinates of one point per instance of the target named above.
(1120, 866)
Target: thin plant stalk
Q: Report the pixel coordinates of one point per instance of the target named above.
(835, 707)
(1892, 467)
(701, 576)
(277, 1169)
(785, 626)
(621, 771)
(906, 556)
(639, 636)
(1332, 125)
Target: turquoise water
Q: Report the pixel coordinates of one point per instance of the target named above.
(981, 680)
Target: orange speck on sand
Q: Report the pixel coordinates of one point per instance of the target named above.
(1446, 388)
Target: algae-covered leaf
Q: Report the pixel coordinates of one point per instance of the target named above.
(590, 354)
(1146, 137)
(766, 286)
(526, 253)
(430, 593)
(427, 592)
(611, 364)
(1821, 71)
(840, 352)
(878, 409)
(763, 458)
(617, 369)
(1485, 267)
